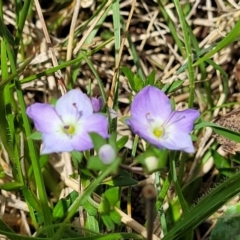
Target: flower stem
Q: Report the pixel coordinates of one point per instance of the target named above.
(86, 194)
(173, 172)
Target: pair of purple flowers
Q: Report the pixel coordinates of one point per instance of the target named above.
(66, 125)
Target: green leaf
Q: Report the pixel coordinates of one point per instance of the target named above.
(11, 186)
(76, 158)
(91, 224)
(90, 209)
(227, 40)
(108, 222)
(227, 133)
(175, 85)
(98, 140)
(5, 134)
(130, 77)
(115, 216)
(121, 142)
(32, 199)
(120, 181)
(151, 78)
(63, 204)
(104, 206)
(95, 163)
(5, 33)
(112, 195)
(36, 135)
(222, 164)
(138, 83)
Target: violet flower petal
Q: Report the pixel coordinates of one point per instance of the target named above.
(44, 116)
(150, 102)
(177, 141)
(56, 142)
(94, 123)
(73, 105)
(141, 129)
(182, 121)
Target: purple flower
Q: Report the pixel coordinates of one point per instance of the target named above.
(65, 127)
(97, 104)
(152, 119)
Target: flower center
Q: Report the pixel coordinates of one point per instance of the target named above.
(69, 129)
(158, 132)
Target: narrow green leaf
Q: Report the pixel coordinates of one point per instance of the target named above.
(226, 41)
(11, 186)
(175, 85)
(138, 83)
(222, 164)
(121, 142)
(130, 77)
(32, 199)
(151, 78)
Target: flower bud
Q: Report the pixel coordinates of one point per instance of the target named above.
(97, 104)
(151, 163)
(107, 153)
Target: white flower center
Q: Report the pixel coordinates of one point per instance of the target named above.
(156, 126)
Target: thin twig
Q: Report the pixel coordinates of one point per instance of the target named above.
(58, 73)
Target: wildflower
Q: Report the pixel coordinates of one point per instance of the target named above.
(107, 153)
(152, 119)
(66, 125)
(97, 104)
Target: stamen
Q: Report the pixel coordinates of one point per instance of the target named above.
(78, 113)
(171, 116)
(148, 118)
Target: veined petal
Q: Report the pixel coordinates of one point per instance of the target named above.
(150, 102)
(177, 141)
(73, 105)
(56, 142)
(141, 129)
(182, 121)
(95, 123)
(82, 142)
(44, 116)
